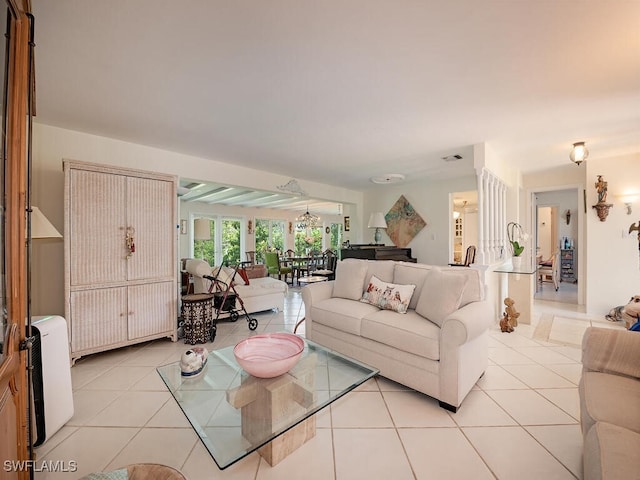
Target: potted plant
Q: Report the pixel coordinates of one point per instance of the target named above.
(516, 237)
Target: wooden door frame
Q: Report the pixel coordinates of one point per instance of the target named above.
(13, 371)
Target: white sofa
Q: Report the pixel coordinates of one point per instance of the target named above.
(610, 404)
(260, 294)
(438, 347)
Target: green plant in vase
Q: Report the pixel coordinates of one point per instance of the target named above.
(517, 237)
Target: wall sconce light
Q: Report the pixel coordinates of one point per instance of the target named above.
(579, 153)
(568, 216)
(628, 201)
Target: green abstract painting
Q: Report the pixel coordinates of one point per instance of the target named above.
(403, 223)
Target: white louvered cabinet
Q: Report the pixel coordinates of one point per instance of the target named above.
(115, 297)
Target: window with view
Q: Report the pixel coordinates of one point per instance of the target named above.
(225, 242)
(307, 240)
(269, 235)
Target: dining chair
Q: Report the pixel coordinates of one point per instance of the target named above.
(469, 258)
(549, 270)
(272, 262)
(329, 268)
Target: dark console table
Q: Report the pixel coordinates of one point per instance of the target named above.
(378, 252)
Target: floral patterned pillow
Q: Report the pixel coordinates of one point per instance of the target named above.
(388, 296)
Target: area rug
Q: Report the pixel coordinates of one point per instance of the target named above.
(566, 330)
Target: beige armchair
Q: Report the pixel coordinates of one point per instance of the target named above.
(609, 403)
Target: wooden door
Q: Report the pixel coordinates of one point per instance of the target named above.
(151, 214)
(14, 446)
(152, 309)
(96, 233)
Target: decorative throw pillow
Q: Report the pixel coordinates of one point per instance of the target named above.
(388, 296)
(349, 279)
(441, 295)
(242, 273)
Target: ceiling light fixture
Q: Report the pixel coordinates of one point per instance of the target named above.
(307, 220)
(579, 153)
(388, 178)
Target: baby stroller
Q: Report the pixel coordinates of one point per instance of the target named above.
(225, 297)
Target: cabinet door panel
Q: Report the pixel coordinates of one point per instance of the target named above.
(97, 236)
(99, 318)
(151, 212)
(152, 309)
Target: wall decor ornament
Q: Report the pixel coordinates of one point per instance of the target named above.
(347, 224)
(403, 222)
(636, 228)
(602, 207)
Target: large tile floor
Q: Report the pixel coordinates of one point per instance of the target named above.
(521, 421)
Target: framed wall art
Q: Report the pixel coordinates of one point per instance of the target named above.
(347, 224)
(403, 223)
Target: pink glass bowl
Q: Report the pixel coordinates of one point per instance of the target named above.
(270, 354)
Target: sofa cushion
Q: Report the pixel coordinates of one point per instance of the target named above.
(388, 296)
(441, 295)
(383, 269)
(611, 451)
(473, 290)
(342, 314)
(609, 398)
(409, 333)
(411, 274)
(349, 279)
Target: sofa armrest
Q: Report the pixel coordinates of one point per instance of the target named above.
(314, 293)
(611, 351)
(467, 323)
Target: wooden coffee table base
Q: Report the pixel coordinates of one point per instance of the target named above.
(276, 401)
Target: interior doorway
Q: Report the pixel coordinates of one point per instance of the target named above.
(464, 224)
(556, 234)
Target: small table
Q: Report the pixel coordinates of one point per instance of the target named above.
(235, 414)
(197, 315)
(520, 288)
(312, 279)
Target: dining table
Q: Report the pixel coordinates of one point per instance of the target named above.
(299, 264)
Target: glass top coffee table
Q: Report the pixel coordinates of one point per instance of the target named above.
(235, 414)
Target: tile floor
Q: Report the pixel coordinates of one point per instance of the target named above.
(521, 421)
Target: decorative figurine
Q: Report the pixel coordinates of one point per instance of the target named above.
(510, 318)
(602, 207)
(635, 228)
(193, 361)
(629, 313)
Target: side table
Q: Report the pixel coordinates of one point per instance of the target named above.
(197, 315)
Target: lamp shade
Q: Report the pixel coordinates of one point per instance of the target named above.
(41, 227)
(202, 229)
(376, 220)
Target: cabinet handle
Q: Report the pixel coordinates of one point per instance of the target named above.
(129, 240)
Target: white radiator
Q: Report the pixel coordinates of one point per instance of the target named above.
(51, 377)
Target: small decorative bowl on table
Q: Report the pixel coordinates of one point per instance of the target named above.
(269, 355)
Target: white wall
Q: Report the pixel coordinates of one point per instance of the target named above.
(613, 263)
(52, 144)
(430, 199)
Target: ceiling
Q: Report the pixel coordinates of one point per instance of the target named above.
(216, 193)
(339, 91)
